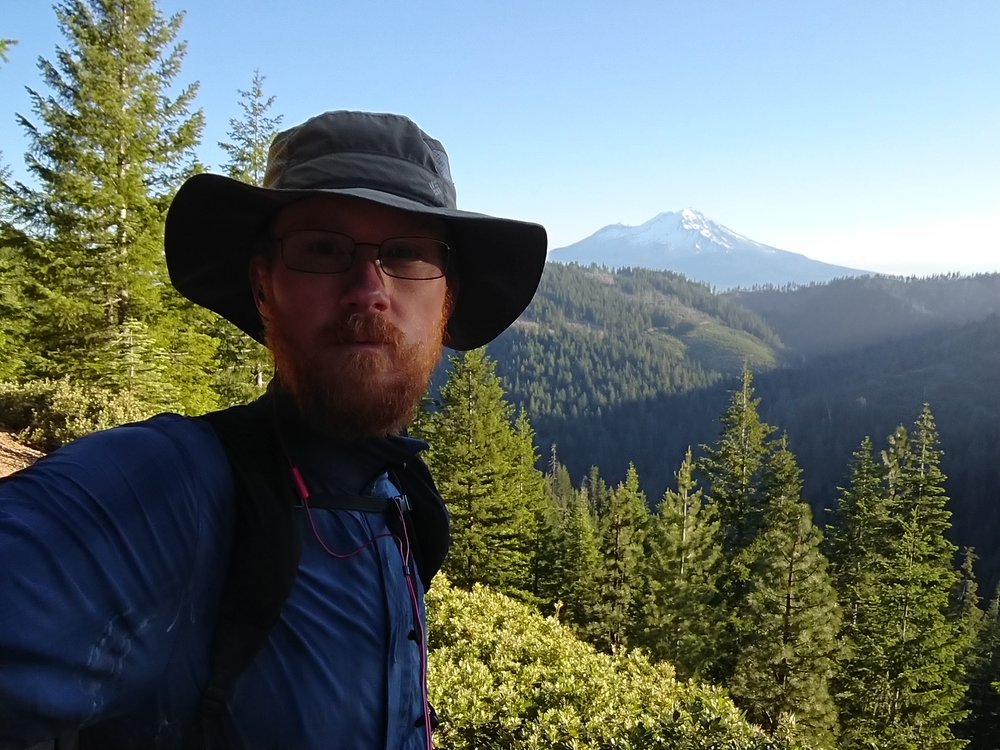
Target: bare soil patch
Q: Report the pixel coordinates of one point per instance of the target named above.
(14, 455)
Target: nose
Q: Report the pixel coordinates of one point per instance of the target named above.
(365, 282)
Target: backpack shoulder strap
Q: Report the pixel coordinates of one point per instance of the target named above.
(429, 516)
(266, 548)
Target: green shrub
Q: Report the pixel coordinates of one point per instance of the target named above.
(50, 413)
(503, 676)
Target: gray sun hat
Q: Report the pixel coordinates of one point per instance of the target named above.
(214, 223)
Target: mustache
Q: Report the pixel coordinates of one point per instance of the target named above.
(368, 328)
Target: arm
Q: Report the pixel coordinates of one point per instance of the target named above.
(105, 548)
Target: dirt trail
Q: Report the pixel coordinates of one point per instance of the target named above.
(14, 455)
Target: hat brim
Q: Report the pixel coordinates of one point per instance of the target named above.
(214, 223)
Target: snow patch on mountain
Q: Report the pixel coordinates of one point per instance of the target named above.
(688, 242)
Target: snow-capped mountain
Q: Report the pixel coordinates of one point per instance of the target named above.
(689, 243)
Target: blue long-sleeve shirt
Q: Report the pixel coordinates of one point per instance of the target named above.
(113, 552)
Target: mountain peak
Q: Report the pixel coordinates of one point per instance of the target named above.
(688, 242)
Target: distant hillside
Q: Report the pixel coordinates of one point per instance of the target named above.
(635, 366)
(688, 243)
(850, 313)
(593, 338)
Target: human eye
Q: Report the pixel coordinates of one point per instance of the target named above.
(326, 247)
(316, 251)
(402, 250)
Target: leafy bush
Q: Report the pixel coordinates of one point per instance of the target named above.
(50, 413)
(503, 676)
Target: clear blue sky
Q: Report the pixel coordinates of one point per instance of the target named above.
(860, 133)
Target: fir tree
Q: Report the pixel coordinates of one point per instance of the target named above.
(789, 619)
(682, 614)
(552, 551)
(901, 685)
(250, 135)
(580, 590)
(244, 364)
(858, 544)
(484, 469)
(733, 468)
(622, 530)
(114, 136)
(982, 726)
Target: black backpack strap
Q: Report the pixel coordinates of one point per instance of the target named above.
(429, 517)
(266, 548)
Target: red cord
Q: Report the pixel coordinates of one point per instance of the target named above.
(404, 553)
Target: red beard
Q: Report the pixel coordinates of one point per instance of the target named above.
(349, 393)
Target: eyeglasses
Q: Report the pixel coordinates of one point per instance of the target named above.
(319, 251)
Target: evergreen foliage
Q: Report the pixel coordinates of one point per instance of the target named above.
(982, 726)
(110, 142)
(484, 467)
(245, 365)
(622, 527)
(734, 469)
(901, 685)
(571, 549)
(682, 614)
(789, 619)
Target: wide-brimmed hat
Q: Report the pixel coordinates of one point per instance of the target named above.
(215, 223)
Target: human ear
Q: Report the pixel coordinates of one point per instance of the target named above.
(259, 277)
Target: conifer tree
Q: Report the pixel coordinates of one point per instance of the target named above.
(11, 277)
(597, 491)
(965, 611)
(734, 470)
(580, 592)
(622, 528)
(682, 614)
(789, 618)
(982, 726)
(112, 140)
(901, 685)
(245, 365)
(481, 463)
(733, 467)
(857, 533)
(553, 524)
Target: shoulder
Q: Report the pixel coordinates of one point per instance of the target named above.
(168, 446)
(168, 465)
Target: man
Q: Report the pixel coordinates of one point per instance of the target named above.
(354, 266)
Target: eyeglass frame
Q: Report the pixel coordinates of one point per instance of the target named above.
(447, 249)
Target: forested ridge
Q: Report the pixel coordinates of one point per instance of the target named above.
(638, 471)
(635, 366)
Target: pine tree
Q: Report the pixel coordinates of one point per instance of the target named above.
(982, 726)
(901, 686)
(580, 590)
(857, 533)
(553, 523)
(114, 139)
(965, 611)
(860, 537)
(621, 582)
(789, 619)
(481, 464)
(12, 278)
(682, 614)
(734, 470)
(244, 364)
